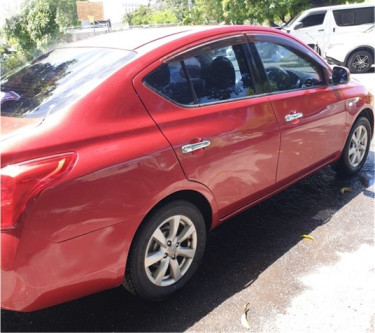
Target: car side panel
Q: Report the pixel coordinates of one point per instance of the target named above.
(317, 136)
(241, 160)
(74, 237)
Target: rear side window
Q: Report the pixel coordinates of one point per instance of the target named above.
(57, 79)
(313, 19)
(354, 16)
(206, 75)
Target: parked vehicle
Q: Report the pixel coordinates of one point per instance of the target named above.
(320, 27)
(357, 55)
(120, 152)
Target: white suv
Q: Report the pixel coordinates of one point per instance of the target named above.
(321, 27)
(355, 51)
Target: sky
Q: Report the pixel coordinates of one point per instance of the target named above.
(8, 8)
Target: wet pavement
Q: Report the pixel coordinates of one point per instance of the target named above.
(291, 283)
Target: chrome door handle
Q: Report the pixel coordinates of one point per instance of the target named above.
(293, 116)
(195, 146)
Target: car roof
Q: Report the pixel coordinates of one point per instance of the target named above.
(136, 39)
(336, 7)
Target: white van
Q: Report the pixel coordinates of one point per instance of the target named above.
(318, 26)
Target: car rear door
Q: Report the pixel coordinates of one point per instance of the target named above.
(311, 113)
(224, 134)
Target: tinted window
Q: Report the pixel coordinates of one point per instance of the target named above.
(206, 75)
(57, 79)
(313, 19)
(288, 69)
(357, 16)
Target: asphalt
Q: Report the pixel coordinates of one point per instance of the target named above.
(290, 283)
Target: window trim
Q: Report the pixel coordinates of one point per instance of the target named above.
(308, 56)
(238, 39)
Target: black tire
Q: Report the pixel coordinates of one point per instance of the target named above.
(175, 235)
(356, 149)
(360, 61)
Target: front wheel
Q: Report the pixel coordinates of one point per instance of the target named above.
(356, 148)
(166, 251)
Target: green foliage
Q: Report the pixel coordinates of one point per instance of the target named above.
(146, 15)
(166, 16)
(235, 11)
(40, 24)
(141, 16)
(207, 11)
(66, 13)
(43, 21)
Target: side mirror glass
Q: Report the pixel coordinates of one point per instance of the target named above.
(340, 75)
(299, 25)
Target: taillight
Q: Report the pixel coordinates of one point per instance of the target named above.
(22, 181)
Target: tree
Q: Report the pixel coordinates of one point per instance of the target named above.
(66, 13)
(235, 11)
(40, 24)
(207, 11)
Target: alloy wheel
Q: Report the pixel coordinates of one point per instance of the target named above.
(170, 250)
(358, 145)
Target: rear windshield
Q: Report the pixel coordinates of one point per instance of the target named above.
(57, 79)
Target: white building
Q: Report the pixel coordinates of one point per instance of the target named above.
(116, 9)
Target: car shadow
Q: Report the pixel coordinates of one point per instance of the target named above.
(237, 253)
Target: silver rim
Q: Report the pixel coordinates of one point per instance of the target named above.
(360, 62)
(358, 145)
(171, 250)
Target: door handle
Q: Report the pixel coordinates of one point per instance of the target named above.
(293, 116)
(186, 149)
(321, 30)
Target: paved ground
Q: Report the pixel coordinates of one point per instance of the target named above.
(291, 284)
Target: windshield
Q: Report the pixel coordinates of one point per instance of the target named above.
(290, 23)
(57, 79)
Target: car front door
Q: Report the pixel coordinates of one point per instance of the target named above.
(313, 29)
(224, 134)
(310, 112)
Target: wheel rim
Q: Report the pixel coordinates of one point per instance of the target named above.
(170, 250)
(358, 146)
(360, 62)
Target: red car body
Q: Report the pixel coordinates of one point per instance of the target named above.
(77, 184)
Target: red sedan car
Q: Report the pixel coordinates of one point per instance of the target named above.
(120, 152)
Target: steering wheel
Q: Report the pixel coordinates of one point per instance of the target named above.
(279, 77)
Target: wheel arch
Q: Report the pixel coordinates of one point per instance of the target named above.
(367, 113)
(194, 197)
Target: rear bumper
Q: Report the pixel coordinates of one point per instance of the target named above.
(37, 273)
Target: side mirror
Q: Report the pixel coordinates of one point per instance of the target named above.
(299, 25)
(340, 75)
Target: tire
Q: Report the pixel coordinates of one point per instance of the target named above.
(166, 251)
(356, 149)
(360, 61)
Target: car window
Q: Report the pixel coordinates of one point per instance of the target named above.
(207, 75)
(287, 69)
(313, 20)
(354, 16)
(57, 79)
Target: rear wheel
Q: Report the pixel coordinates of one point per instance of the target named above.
(360, 61)
(356, 148)
(166, 251)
